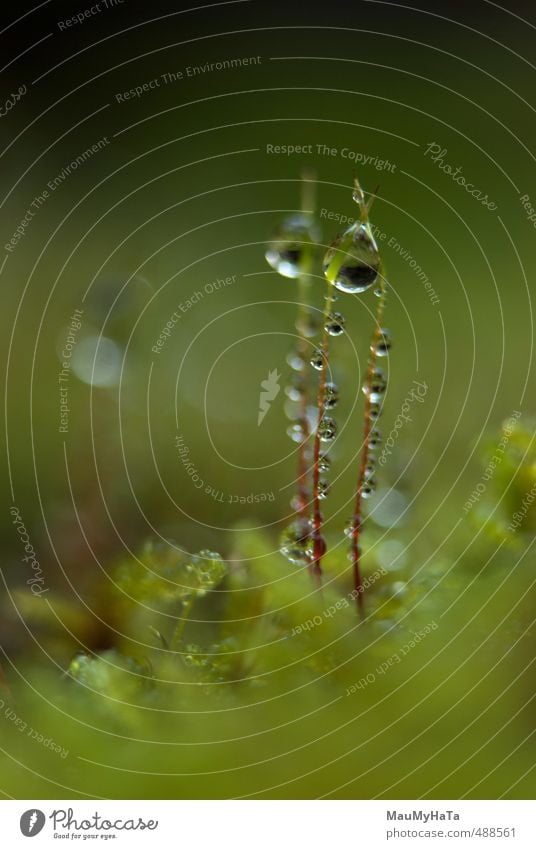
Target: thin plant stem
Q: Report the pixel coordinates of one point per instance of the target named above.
(319, 545)
(307, 207)
(357, 520)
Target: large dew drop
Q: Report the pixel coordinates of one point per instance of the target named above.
(331, 396)
(352, 263)
(324, 463)
(291, 251)
(296, 544)
(375, 386)
(327, 429)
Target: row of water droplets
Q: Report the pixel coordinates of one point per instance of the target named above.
(292, 253)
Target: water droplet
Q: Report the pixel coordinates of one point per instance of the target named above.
(324, 463)
(375, 386)
(294, 391)
(296, 502)
(335, 324)
(295, 544)
(369, 470)
(291, 251)
(383, 344)
(349, 528)
(210, 569)
(292, 410)
(296, 432)
(352, 262)
(318, 360)
(323, 489)
(327, 429)
(194, 655)
(331, 396)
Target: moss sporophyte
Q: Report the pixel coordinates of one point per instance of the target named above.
(352, 265)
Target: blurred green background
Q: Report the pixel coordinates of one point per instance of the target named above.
(185, 193)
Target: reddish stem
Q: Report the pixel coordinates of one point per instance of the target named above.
(307, 201)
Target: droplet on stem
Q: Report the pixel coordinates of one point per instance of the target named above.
(375, 386)
(327, 429)
(318, 360)
(352, 263)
